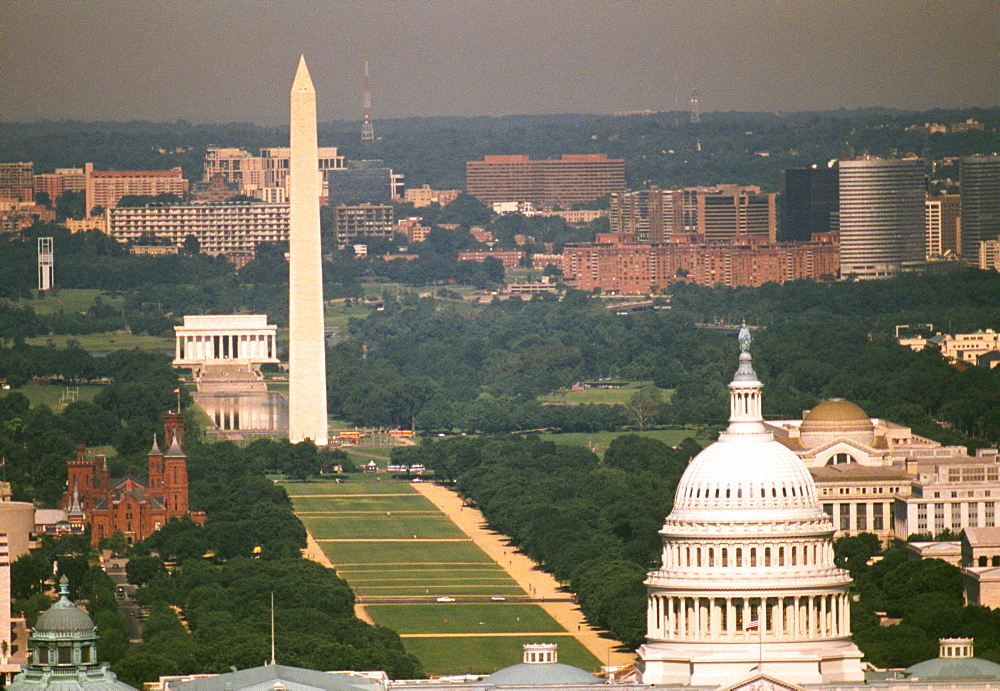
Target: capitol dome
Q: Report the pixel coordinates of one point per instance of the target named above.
(833, 420)
(747, 582)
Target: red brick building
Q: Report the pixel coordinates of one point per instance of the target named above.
(633, 269)
(136, 506)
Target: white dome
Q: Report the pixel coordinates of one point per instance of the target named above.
(745, 473)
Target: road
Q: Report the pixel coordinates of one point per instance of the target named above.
(125, 593)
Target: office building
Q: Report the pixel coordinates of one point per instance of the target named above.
(17, 182)
(808, 202)
(724, 213)
(425, 196)
(570, 179)
(351, 222)
(105, 188)
(980, 177)
(882, 222)
(943, 238)
(219, 228)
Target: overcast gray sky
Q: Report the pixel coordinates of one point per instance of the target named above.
(233, 60)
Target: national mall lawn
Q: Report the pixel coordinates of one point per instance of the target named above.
(400, 553)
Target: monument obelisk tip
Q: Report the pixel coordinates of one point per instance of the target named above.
(302, 81)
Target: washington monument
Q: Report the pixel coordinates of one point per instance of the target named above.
(306, 356)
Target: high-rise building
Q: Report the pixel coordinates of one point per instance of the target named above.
(306, 340)
(572, 178)
(263, 177)
(882, 223)
(17, 182)
(980, 177)
(807, 199)
(943, 233)
(363, 182)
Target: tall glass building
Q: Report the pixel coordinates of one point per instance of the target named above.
(980, 177)
(881, 216)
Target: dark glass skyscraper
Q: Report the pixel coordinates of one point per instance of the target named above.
(808, 199)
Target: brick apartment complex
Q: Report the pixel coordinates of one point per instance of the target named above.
(106, 187)
(633, 269)
(219, 228)
(511, 259)
(570, 179)
(136, 506)
(61, 181)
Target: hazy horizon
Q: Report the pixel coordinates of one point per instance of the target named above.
(224, 61)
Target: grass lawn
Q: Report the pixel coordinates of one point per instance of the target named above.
(602, 396)
(381, 451)
(369, 573)
(70, 300)
(359, 502)
(369, 526)
(484, 655)
(430, 591)
(296, 489)
(338, 314)
(110, 340)
(404, 553)
(599, 441)
(55, 396)
(458, 618)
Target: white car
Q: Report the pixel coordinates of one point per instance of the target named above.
(445, 598)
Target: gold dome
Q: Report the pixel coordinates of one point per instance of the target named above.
(836, 410)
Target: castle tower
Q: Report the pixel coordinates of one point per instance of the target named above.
(155, 473)
(747, 583)
(175, 482)
(81, 476)
(173, 428)
(307, 354)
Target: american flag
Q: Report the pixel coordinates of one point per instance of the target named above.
(753, 625)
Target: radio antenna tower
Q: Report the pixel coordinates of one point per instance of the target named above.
(695, 115)
(367, 130)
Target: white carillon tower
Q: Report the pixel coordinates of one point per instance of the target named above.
(46, 264)
(747, 584)
(306, 345)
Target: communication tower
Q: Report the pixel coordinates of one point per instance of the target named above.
(695, 115)
(46, 263)
(367, 130)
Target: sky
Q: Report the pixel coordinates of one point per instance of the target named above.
(233, 60)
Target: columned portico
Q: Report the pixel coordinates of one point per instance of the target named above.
(205, 339)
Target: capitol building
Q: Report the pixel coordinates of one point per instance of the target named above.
(748, 582)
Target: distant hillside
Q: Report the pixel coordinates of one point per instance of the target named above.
(661, 148)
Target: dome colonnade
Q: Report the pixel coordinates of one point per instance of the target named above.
(748, 581)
